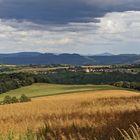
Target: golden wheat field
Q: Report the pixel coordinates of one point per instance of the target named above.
(95, 113)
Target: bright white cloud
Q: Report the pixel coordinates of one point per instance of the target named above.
(120, 22)
(116, 32)
(125, 26)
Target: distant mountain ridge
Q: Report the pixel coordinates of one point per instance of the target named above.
(36, 58)
(104, 54)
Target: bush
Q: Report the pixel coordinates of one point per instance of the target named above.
(7, 100)
(24, 98)
(10, 100)
(14, 100)
(130, 85)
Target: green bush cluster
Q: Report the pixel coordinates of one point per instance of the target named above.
(24, 98)
(130, 85)
(12, 100)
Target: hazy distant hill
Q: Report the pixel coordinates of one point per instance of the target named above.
(49, 58)
(104, 54)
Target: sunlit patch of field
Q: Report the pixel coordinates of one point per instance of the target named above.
(94, 110)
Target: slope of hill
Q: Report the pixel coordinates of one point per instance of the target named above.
(75, 115)
(49, 58)
(43, 89)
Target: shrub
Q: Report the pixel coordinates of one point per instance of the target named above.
(14, 100)
(24, 98)
(130, 85)
(7, 100)
(10, 100)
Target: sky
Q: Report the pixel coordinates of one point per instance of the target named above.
(70, 26)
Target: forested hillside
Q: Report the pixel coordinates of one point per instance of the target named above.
(49, 58)
(17, 80)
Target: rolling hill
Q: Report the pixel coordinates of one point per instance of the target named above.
(24, 58)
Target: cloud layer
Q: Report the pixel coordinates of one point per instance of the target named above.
(63, 11)
(81, 26)
(116, 32)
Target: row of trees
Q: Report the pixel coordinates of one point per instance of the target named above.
(128, 80)
(130, 85)
(17, 80)
(86, 78)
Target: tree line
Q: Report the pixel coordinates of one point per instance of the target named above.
(17, 80)
(14, 81)
(86, 78)
(130, 85)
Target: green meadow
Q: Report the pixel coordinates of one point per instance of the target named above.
(42, 89)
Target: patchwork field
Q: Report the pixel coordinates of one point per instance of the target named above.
(83, 115)
(43, 89)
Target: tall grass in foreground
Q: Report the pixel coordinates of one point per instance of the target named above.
(88, 125)
(74, 117)
(132, 134)
(89, 131)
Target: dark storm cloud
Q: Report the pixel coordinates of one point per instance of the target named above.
(62, 11)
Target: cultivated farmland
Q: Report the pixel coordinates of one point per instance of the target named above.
(83, 115)
(43, 89)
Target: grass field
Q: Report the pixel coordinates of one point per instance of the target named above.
(37, 90)
(80, 116)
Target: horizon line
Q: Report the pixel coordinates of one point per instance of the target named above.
(104, 53)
